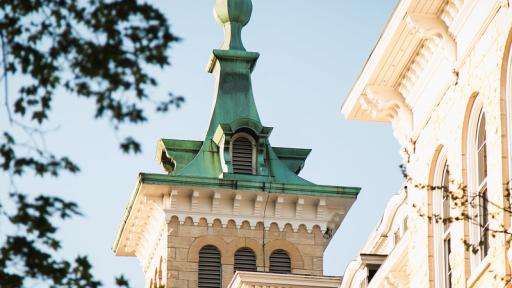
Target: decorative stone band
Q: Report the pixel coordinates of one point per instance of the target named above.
(270, 280)
(249, 209)
(283, 207)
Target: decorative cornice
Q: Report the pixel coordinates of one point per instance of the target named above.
(150, 233)
(430, 26)
(416, 68)
(153, 202)
(225, 206)
(401, 60)
(321, 209)
(388, 103)
(299, 208)
(450, 11)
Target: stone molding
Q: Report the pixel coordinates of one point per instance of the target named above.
(254, 207)
(152, 229)
(293, 252)
(388, 103)
(228, 249)
(429, 29)
(431, 26)
(217, 241)
(270, 280)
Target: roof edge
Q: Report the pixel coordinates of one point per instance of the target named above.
(300, 189)
(126, 214)
(350, 107)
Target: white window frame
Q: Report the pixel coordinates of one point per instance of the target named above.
(441, 231)
(474, 187)
(508, 96)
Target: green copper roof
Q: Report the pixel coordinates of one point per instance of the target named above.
(248, 185)
(234, 111)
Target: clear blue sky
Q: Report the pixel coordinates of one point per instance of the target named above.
(311, 53)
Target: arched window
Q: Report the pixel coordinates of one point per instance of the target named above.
(280, 262)
(483, 210)
(477, 186)
(243, 154)
(245, 260)
(508, 99)
(210, 268)
(442, 224)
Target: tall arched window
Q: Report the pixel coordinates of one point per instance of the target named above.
(483, 210)
(280, 262)
(243, 154)
(477, 185)
(210, 268)
(508, 100)
(245, 260)
(442, 223)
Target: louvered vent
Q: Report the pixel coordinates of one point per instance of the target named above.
(242, 156)
(245, 260)
(210, 268)
(280, 262)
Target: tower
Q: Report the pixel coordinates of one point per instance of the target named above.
(231, 202)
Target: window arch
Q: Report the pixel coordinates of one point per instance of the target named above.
(441, 213)
(245, 260)
(478, 207)
(280, 262)
(210, 268)
(506, 82)
(507, 79)
(243, 154)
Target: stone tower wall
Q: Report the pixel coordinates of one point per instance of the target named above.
(186, 238)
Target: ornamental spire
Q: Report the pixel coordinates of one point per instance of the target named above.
(232, 66)
(233, 15)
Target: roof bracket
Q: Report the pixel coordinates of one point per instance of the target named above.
(430, 26)
(388, 102)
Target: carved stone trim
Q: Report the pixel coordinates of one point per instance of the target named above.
(299, 207)
(258, 206)
(430, 26)
(173, 199)
(194, 201)
(236, 204)
(321, 210)
(279, 206)
(386, 102)
(216, 202)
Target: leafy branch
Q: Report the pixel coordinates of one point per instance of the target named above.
(95, 49)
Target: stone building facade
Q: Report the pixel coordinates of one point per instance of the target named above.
(441, 75)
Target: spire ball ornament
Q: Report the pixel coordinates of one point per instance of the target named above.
(233, 11)
(233, 15)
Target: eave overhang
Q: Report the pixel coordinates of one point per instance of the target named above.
(384, 69)
(415, 61)
(155, 186)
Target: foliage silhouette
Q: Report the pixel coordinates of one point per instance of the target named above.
(466, 207)
(96, 49)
